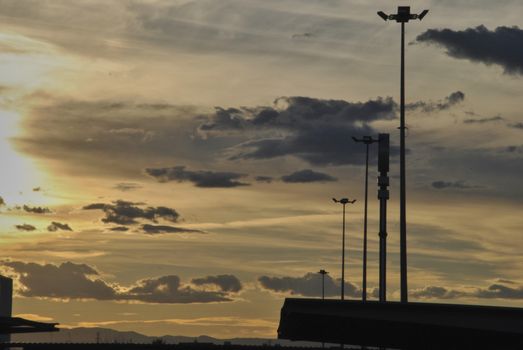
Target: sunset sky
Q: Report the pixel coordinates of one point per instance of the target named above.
(168, 165)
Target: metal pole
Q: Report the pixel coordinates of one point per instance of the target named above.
(322, 286)
(403, 199)
(343, 257)
(383, 196)
(364, 284)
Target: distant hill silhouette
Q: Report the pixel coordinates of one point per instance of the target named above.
(107, 335)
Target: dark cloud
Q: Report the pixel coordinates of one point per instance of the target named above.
(483, 120)
(25, 227)
(199, 178)
(119, 228)
(435, 292)
(312, 129)
(309, 285)
(64, 281)
(501, 290)
(55, 226)
(37, 189)
(36, 210)
(501, 46)
(459, 185)
(227, 283)
(267, 179)
(79, 281)
(168, 289)
(2, 201)
(429, 107)
(127, 186)
(158, 229)
(125, 213)
(307, 175)
(516, 125)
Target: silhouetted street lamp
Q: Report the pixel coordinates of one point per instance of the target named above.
(323, 273)
(403, 16)
(344, 202)
(367, 140)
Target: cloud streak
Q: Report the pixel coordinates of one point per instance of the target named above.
(126, 213)
(307, 176)
(200, 178)
(25, 227)
(36, 210)
(160, 229)
(503, 289)
(55, 226)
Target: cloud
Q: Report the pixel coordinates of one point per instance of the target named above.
(64, 281)
(127, 186)
(227, 283)
(2, 202)
(158, 229)
(516, 125)
(37, 189)
(55, 226)
(435, 292)
(125, 213)
(199, 178)
(314, 130)
(460, 185)
(79, 281)
(25, 227)
(266, 179)
(483, 120)
(168, 289)
(502, 290)
(307, 175)
(429, 107)
(36, 210)
(310, 285)
(119, 228)
(501, 46)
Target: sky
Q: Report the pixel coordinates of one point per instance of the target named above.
(168, 166)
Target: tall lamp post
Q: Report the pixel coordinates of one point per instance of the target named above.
(323, 273)
(403, 16)
(344, 202)
(367, 140)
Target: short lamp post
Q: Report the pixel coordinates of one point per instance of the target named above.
(344, 202)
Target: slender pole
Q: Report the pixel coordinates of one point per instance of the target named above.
(322, 286)
(403, 199)
(364, 284)
(343, 257)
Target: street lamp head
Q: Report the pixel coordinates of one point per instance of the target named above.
(422, 14)
(403, 15)
(323, 272)
(343, 201)
(383, 15)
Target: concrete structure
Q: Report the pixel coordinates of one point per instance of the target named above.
(6, 303)
(402, 325)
